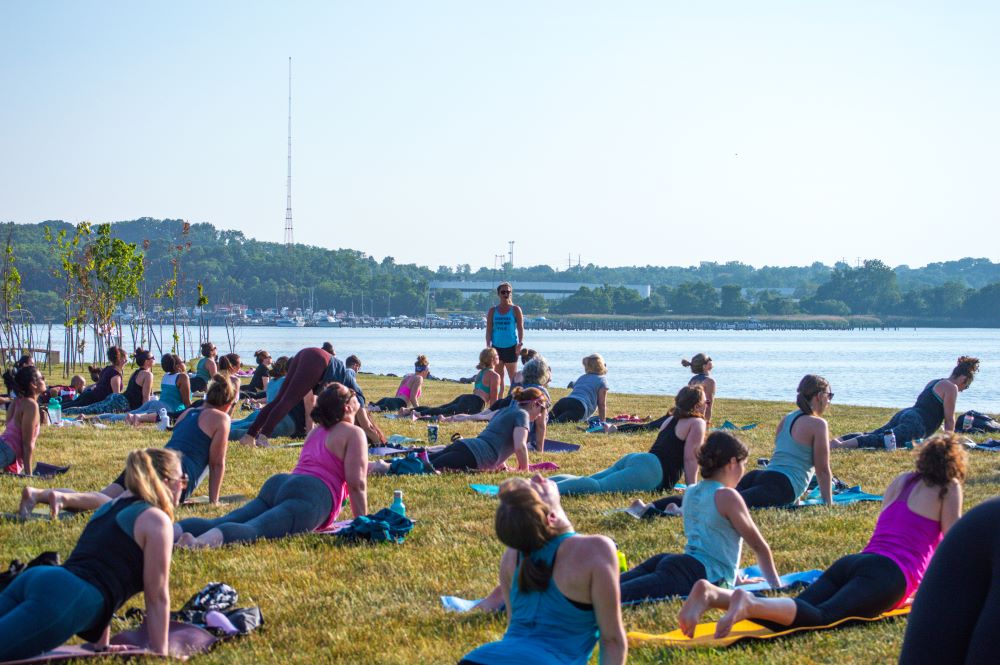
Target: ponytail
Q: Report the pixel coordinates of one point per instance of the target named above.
(145, 474)
(522, 524)
(810, 386)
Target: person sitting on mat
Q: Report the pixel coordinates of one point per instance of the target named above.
(917, 509)
(124, 549)
(525, 356)
(206, 367)
(108, 385)
(674, 451)
(409, 390)
(175, 395)
(716, 522)
(289, 424)
(558, 607)
(935, 406)
(801, 448)
(229, 367)
(200, 438)
(333, 464)
(589, 394)
(485, 389)
(261, 375)
(17, 443)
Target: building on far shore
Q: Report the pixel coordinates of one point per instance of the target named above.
(548, 290)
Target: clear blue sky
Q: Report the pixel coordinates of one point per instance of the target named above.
(627, 133)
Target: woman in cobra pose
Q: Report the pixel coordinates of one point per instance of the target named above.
(409, 390)
(935, 406)
(918, 508)
(333, 465)
(486, 387)
(505, 331)
(589, 394)
(17, 443)
(701, 366)
(124, 549)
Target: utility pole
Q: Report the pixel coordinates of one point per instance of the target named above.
(511, 261)
(289, 236)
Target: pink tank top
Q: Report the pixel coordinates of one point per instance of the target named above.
(905, 537)
(404, 391)
(316, 460)
(12, 437)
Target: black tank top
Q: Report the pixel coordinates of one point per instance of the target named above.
(257, 380)
(930, 407)
(110, 560)
(669, 449)
(133, 391)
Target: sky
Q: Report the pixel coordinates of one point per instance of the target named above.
(613, 133)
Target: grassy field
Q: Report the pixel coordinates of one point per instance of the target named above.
(325, 602)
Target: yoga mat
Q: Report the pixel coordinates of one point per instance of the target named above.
(335, 527)
(42, 470)
(40, 513)
(485, 490)
(732, 426)
(395, 440)
(456, 604)
(203, 499)
(704, 633)
(850, 495)
(382, 451)
(552, 446)
(293, 444)
(991, 445)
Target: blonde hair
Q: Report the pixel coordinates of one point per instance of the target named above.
(146, 473)
(486, 358)
(221, 391)
(594, 364)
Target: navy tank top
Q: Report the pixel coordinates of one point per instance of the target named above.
(133, 391)
(193, 445)
(930, 407)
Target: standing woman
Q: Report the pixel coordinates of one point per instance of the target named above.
(206, 367)
(108, 383)
(558, 607)
(589, 394)
(124, 549)
(701, 367)
(505, 331)
(801, 448)
(17, 443)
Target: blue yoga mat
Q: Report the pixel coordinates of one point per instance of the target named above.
(851, 495)
(552, 446)
(485, 490)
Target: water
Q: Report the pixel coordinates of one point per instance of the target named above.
(876, 368)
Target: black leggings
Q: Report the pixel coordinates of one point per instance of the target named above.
(568, 410)
(455, 457)
(954, 616)
(766, 489)
(469, 403)
(651, 426)
(390, 403)
(661, 576)
(857, 585)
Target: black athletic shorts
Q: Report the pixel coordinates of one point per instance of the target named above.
(508, 354)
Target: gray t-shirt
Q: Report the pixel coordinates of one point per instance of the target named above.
(585, 390)
(496, 443)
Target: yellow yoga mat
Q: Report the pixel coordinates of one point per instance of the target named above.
(704, 633)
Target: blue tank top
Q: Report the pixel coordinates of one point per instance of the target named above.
(273, 386)
(791, 458)
(201, 371)
(194, 446)
(170, 394)
(504, 328)
(545, 628)
(711, 538)
(930, 407)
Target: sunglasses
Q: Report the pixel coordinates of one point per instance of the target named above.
(505, 293)
(183, 480)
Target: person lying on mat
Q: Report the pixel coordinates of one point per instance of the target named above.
(535, 374)
(589, 394)
(675, 451)
(485, 390)
(409, 390)
(801, 448)
(17, 443)
(716, 522)
(124, 549)
(935, 406)
(918, 508)
(558, 607)
(201, 438)
(333, 464)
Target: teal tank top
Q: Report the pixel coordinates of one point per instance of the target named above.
(479, 385)
(791, 458)
(711, 538)
(545, 628)
(170, 394)
(201, 371)
(504, 328)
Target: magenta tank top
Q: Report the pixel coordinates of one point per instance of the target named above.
(316, 460)
(13, 437)
(905, 537)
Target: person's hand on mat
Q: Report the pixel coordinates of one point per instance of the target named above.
(743, 579)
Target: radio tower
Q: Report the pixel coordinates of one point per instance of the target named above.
(289, 238)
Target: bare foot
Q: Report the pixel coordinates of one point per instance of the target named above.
(638, 505)
(262, 442)
(697, 603)
(609, 428)
(187, 542)
(674, 509)
(55, 504)
(739, 609)
(247, 440)
(29, 497)
(132, 419)
(379, 468)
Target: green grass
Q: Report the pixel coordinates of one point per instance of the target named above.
(325, 602)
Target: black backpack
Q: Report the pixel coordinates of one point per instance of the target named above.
(976, 423)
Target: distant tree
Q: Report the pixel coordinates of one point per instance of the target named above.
(984, 304)
(533, 303)
(694, 298)
(825, 307)
(868, 289)
(732, 301)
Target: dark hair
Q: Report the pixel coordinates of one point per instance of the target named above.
(259, 355)
(95, 373)
(522, 524)
(221, 391)
(353, 360)
(116, 354)
(527, 354)
(279, 367)
(19, 381)
(169, 363)
(230, 361)
(207, 348)
(328, 348)
(687, 402)
(967, 366)
(331, 405)
(718, 449)
(178, 362)
(697, 363)
(810, 386)
(942, 459)
(141, 355)
(24, 361)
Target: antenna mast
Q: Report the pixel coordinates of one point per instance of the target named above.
(289, 237)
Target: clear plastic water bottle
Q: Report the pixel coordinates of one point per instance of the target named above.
(890, 441)
(397, 503)
(967, 421)
(55, 411)
(164, 420)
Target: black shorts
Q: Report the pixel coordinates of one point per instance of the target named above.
(508, 354)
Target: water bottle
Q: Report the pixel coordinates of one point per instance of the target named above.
(622, 562)
(397, 503)
(890, 441)
(55, 411)
(967, 421)
(164, 420)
